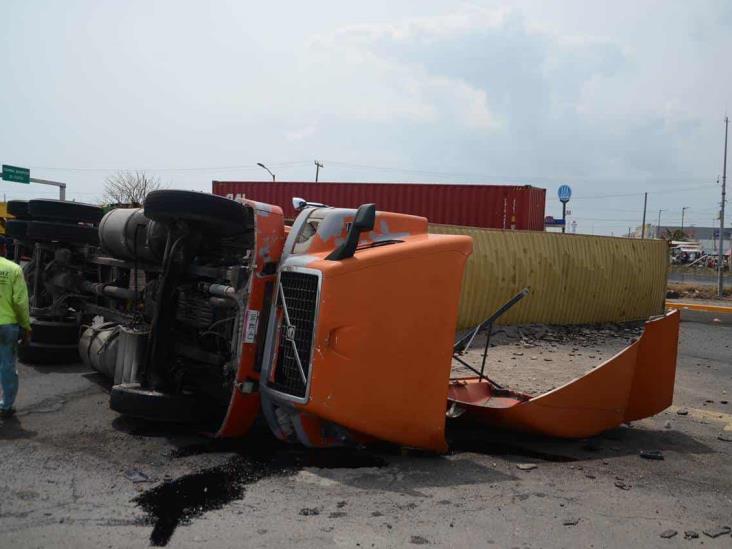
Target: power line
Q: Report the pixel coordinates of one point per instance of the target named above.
(185, 169)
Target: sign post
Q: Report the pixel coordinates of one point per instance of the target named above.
(17, 174)
(564, 193)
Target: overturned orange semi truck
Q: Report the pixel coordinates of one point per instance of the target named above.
(340, 330)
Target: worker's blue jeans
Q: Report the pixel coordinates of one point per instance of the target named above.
(8, 374)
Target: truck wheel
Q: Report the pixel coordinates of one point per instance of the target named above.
(18, 209)
(62, 232)
(67, 211)
(130, 399)
(43, 353)
(16, 228)
(213, 213)
(54, 332)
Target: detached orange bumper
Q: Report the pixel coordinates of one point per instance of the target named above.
(638, 382)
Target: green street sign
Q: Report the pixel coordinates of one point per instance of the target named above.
(16, 174)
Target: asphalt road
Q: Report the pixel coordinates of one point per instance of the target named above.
(74, 474)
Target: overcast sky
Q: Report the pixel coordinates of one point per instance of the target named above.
(613, 98)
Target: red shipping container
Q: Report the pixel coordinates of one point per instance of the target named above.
(491, 206)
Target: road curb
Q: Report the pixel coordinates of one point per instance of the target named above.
(699, 307)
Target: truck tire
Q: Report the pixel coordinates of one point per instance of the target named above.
(43, 353)
(62, 232)
(54, 332)
(130, 399)
(75, 212)
(18, 209)
(16, 228)
(212, 213)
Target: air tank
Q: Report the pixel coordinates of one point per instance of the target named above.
(127, 234)
(98, 348)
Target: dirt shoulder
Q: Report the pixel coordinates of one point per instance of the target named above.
(697, 292)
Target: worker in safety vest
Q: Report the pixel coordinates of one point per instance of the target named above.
(14, 317)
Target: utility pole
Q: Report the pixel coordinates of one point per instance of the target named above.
(720, 259)
(643, 227)
(683, 210)
(658, 224)
(318, 165)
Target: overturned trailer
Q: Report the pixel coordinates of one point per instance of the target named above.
(201, 308)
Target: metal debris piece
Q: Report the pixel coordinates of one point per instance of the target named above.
(137, 476)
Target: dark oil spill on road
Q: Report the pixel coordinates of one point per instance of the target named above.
(257, 457)
(187, 497)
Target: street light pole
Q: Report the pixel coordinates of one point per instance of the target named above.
(683, 210)
(266, 168)
(658, 224)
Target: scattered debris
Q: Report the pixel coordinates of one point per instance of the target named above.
(690, 534)
(526, 466)
(418, 540)
(716, 532)
(651, 454)
(550, 355)
(682, 412)
(620, 484)
(668, 534)
(337, 514)
(309, 511)
(570, 521)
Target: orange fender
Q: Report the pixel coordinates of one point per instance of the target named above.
(637, 382)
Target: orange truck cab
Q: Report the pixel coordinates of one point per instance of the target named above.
(361, 330)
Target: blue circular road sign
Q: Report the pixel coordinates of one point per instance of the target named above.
(565, 193)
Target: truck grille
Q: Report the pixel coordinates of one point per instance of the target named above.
(301, 297)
